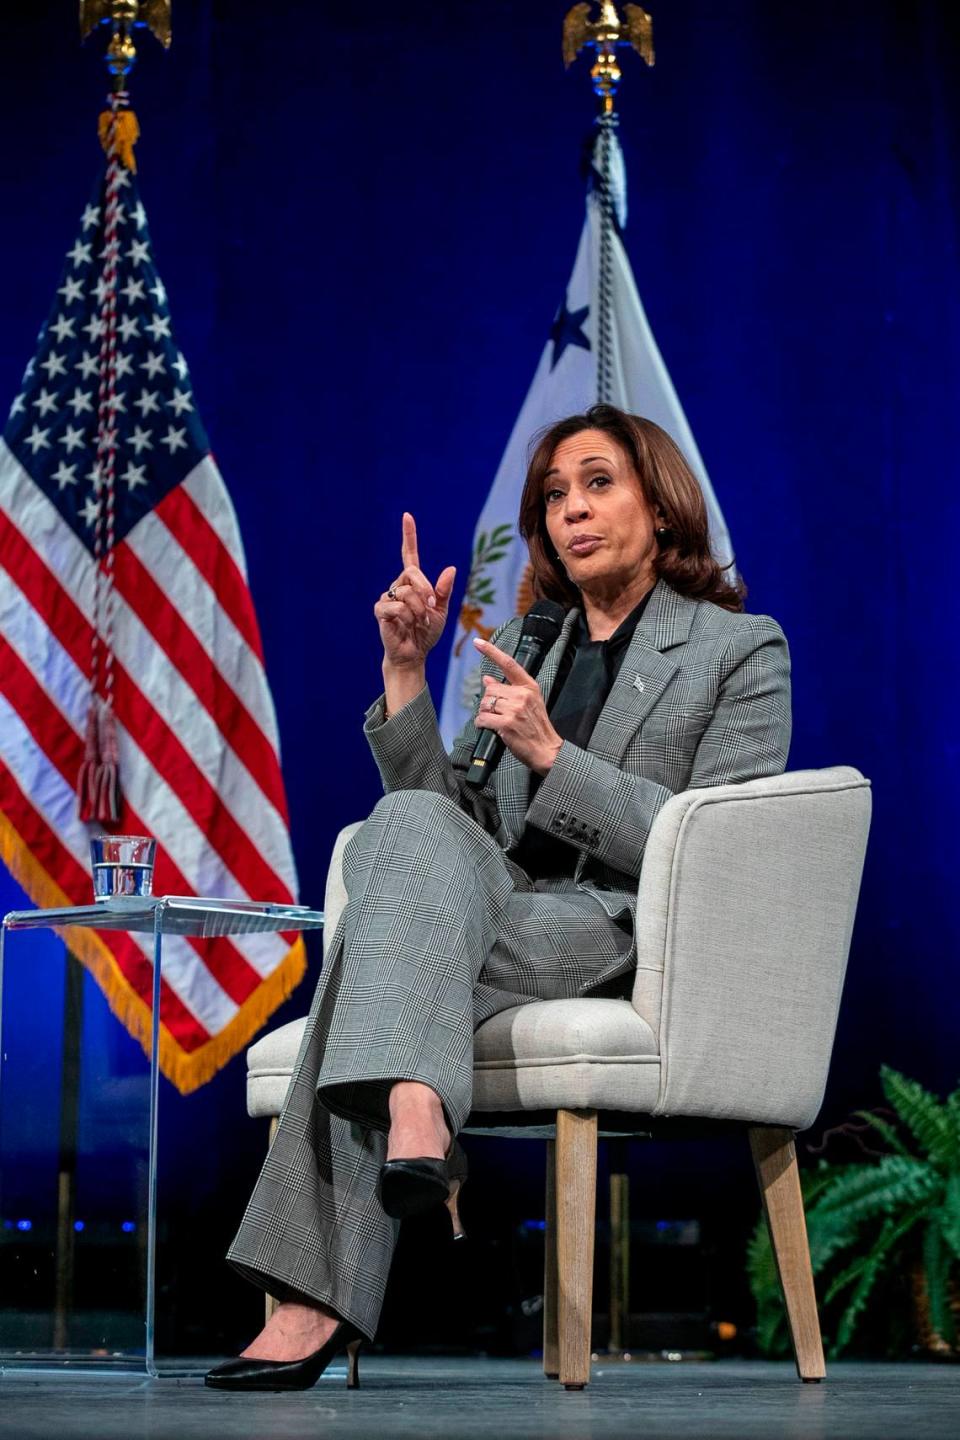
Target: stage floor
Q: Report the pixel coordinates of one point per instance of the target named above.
(462, 1398)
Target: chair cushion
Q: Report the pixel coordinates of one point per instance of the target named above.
(270, 1062)
(570, 1054)
(566, 1054)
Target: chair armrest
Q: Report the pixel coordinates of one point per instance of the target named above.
(335, 895)
(746, 908)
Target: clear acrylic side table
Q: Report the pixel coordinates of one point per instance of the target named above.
(158, 916)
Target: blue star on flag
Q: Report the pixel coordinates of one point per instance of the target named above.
(567, 329)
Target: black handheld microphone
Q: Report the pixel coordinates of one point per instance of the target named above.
(541, 626)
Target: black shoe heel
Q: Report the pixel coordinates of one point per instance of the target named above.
(353, 1364)
(411, 1187)
(243, 1374)
(456, 1176)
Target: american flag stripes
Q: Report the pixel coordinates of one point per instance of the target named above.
(198, 750)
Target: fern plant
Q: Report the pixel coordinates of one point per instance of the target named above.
(898, 1208)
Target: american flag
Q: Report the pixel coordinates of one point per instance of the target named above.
(199, 761)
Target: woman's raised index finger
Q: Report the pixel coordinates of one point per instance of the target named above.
(408, 549)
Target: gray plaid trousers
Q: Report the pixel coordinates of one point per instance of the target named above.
(440, 932)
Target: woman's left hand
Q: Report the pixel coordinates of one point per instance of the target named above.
(515, 709)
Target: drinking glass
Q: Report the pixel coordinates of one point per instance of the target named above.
(122, 865)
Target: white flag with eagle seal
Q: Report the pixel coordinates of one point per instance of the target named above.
(566, 383)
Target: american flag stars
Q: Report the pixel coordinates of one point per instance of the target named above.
(140, 440)
(71, 290)
(81, 401)
(45, 402)
(148, 402)
(175, 439)
(135, 475)
(80, 254)
(72, 439)
(151, 413)
(37, 439)
(65, 474)
(63, 329)
(55, 365)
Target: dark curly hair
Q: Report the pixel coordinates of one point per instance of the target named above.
(670, 488)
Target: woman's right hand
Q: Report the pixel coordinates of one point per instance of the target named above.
(411, 613)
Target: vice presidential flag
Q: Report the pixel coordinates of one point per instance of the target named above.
(566, 382)
(136, 590)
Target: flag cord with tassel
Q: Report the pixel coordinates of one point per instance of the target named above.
(98, 782)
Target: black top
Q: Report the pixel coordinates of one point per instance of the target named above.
(584, 680)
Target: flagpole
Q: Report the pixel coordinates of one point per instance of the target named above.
(118, 135)
(610, 32)
(98, 782)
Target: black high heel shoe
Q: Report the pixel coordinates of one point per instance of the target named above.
(411, 1187)
(244, 1374)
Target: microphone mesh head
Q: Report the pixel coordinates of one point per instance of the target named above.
(544, 619)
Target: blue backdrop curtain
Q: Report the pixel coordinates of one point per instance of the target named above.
(365, 226)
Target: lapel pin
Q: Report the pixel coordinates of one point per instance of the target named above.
(637, 683)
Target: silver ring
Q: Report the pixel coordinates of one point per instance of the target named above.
(492, 704)
(391, 593)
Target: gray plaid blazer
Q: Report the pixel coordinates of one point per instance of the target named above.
(702, 698)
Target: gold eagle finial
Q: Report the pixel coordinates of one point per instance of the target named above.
(640, 31)
(606, 34)
(576, 33)
(125, 16)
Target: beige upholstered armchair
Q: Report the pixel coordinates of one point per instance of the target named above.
(746, 907)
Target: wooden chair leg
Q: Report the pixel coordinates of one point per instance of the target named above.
(775, 1159)
(270, 1304)
(576, 1210)
(551, 1343)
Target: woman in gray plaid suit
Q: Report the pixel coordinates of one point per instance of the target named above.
(463, 902)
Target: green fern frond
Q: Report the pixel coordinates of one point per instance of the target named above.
(890, 1233)
(952, 1107)
(846, 1277)
(950, 1219)
(924, 1116)
(936, 1269)
(868, 1190)
(761, 1265)
(828, 1234)
(869, 1270)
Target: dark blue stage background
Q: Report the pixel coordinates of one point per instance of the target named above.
(365, 226)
